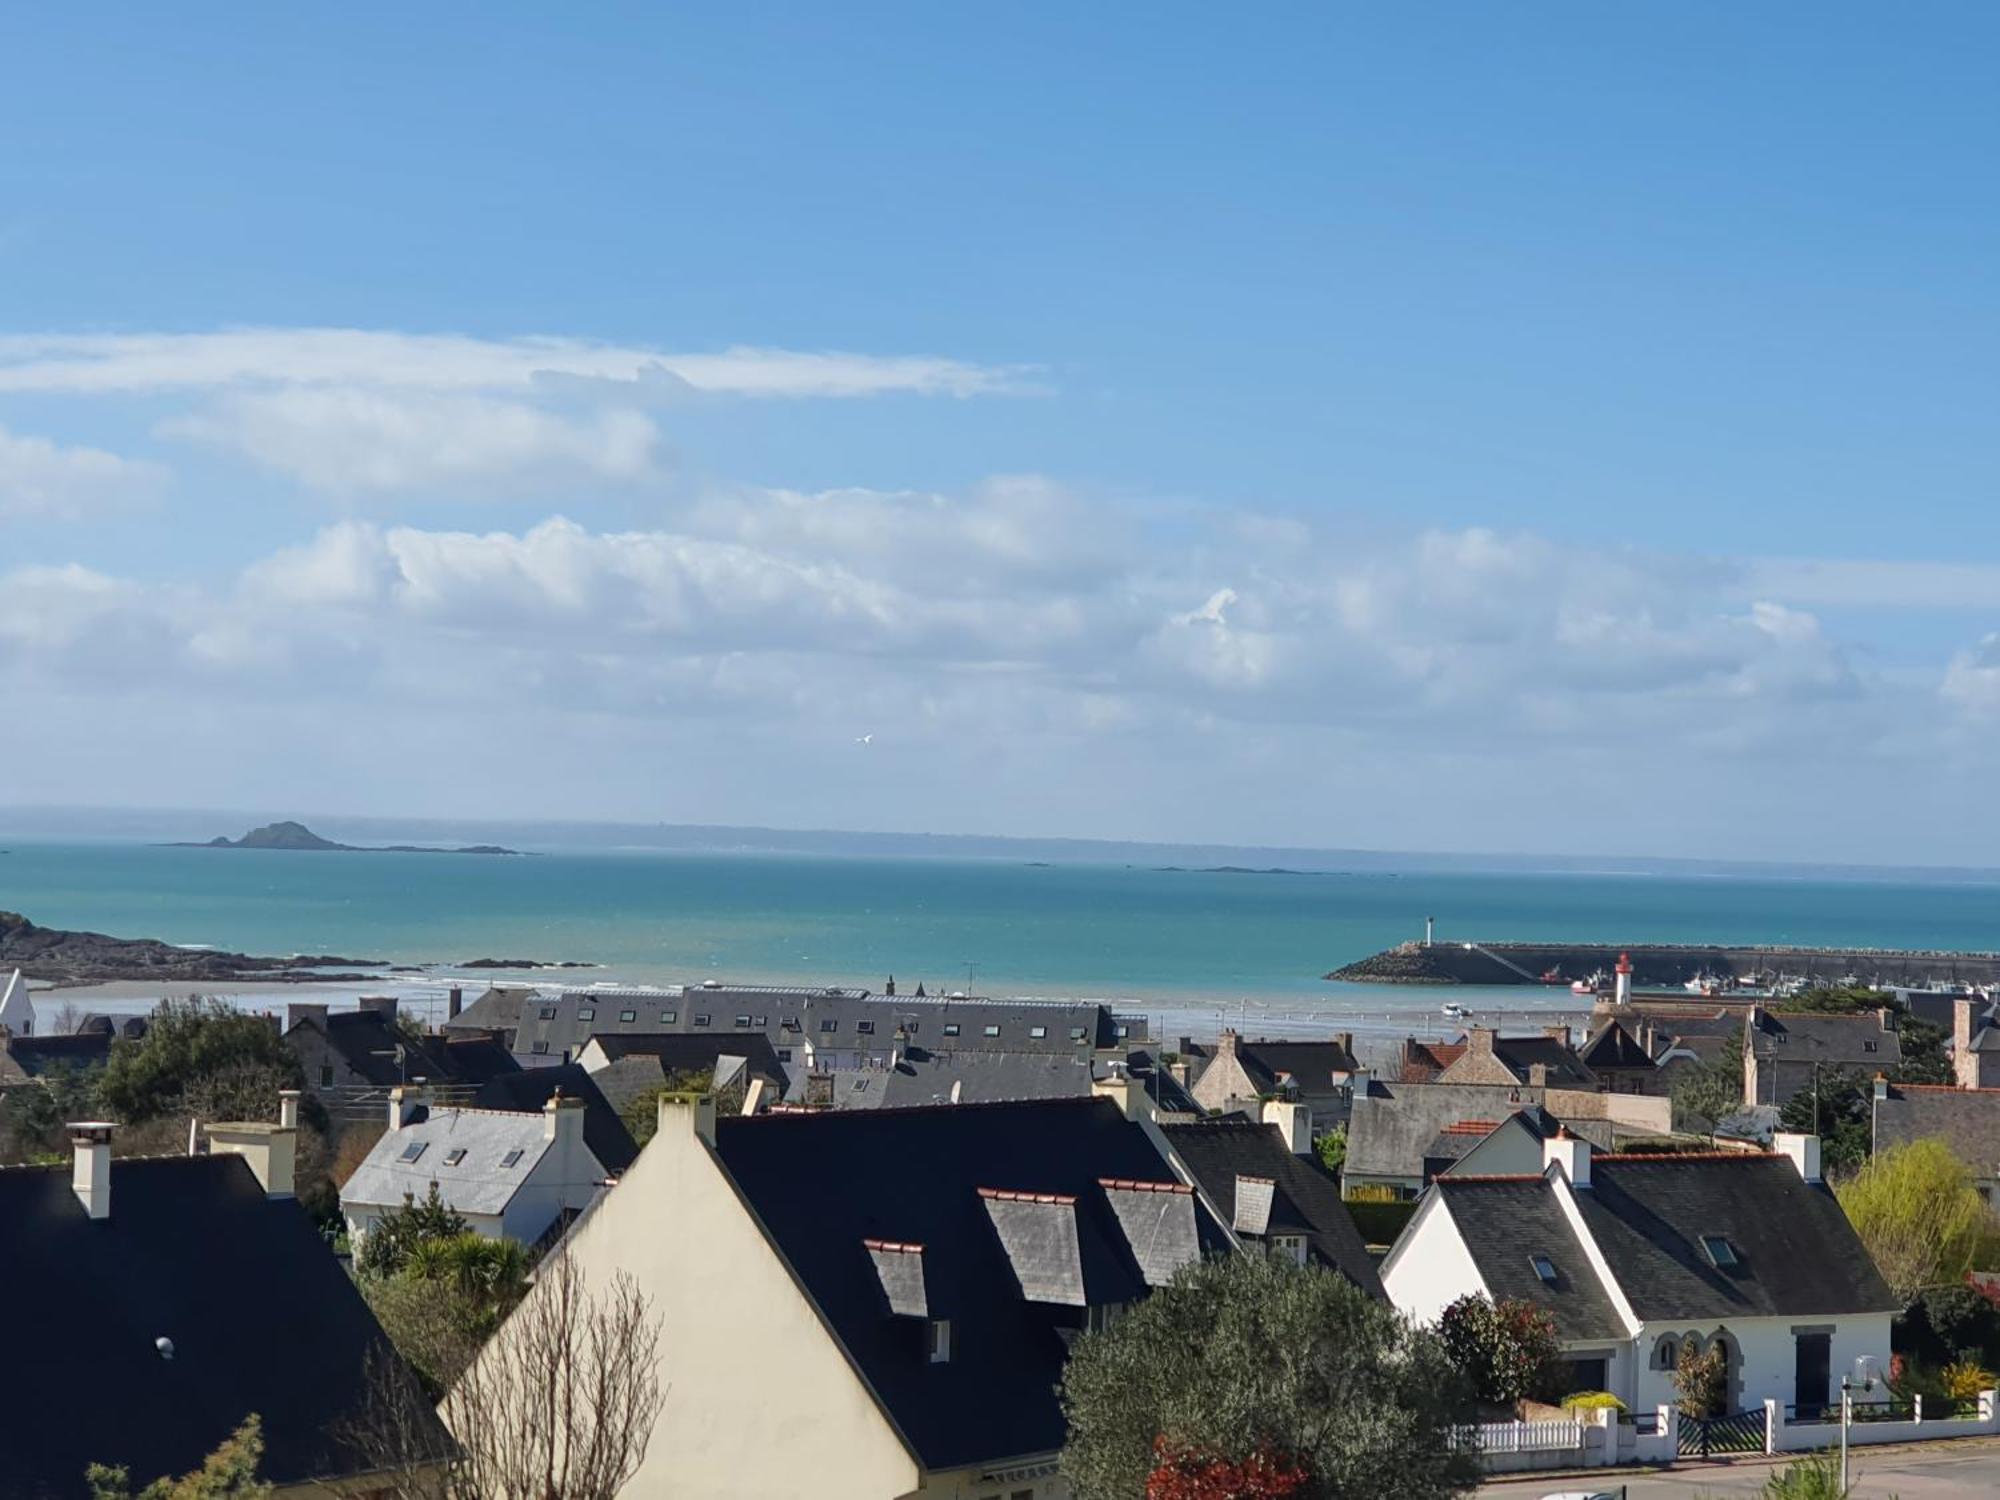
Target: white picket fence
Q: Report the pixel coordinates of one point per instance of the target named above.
(1519, 1437)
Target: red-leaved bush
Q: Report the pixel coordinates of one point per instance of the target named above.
(1183, 1473)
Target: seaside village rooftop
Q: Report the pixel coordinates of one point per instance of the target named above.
(916, 1210)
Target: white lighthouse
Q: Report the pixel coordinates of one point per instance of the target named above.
(1622, 995)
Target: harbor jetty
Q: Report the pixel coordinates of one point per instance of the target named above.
(1666, 965)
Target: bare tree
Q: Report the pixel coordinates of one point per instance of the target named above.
(559, 1405)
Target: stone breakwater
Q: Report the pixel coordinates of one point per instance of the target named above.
(1657, 965)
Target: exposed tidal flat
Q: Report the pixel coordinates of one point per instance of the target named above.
(1191, 946)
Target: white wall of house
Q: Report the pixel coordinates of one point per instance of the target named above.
(1429, 1267)
(763, 1405)
(1767, 1355)
(1511, 1150)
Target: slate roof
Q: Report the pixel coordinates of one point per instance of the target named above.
(477, 1184)
(34, 1056)
(925, 1077)
(1565, 1070)
(1797, 1254)
(824, 1184)
(476, 1059)
(679, 1053)
(528, 1089)
(1306, 1201)
(1967, 1120)
(372, 1046)
(1506, 1220)
(1860, 1040)
(1394, 1124)
(262, 1318)
(1611, 1046)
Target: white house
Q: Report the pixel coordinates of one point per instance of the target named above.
(1636, 1256)
(511, 1175)
(17, 1012)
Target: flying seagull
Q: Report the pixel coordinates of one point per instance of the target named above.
(864, 739)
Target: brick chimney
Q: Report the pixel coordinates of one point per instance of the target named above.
(1225, 1045)
(1538, 1075)
(1557, 1034)
(91, 1177)
(1479, 1041)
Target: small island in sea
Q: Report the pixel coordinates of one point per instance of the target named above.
(297, 836)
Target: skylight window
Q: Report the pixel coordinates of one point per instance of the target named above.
(1721, 1253)
(701, 1019)
(548, 1012)
(588, 1013)
(829, 1026)
(628, 1016)
(1038, 1032)
(539, 1048)
(454, 1156)
(951, 1028)
(511, 1159)
(742, 1023)
(866, 1028)
(668, 1017)
(1077, 1033)
(412, 1151)
(763, 1023)
(1544, 1268)
(993, 1031)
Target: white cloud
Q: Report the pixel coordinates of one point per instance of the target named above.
(96, 364)
(1972, 680)
(347, 440)
(42, 478)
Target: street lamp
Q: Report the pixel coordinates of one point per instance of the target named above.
(1866, 1373)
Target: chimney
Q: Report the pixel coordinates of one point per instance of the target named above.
(408, 1102)
(288, 1108)
(1557, 1034)
(1965, 1064)
(1181, 1073)
(271, 1151)
(1569, 1155)
(1225, 1045)
(1479, 1041)
(687, 1115)
(1802, 1149)
(454, 1002)
(1294, 1122)
(562, 1118)
(1538, 1075)
(1622, 993)
(753, 1097)
(383, 1005)
(1881, 1085)
(1126, 1091)
(304, 1010)
(92, 1176)
(1345, 1041)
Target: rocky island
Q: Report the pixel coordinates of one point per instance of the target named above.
(50, 953)
(290, 835)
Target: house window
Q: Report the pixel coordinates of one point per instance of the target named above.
(1721, 1253)
(1667, 1353)
(454, 1156)
(860, 1085)
(742, 1023)
(866, 1028)
(548, 1012)
(668, 1017)
(1867, 1046)
(910, 1027)
(628, 1016)
(326, 1075)
(1101, 1316)
(1291, 1247)
(539, 1048)
(701, 1018)
(1038, 1032)
(588, 1013)
(763, 1023)
(784, 1054)
(993, 1031)
(1123, 1031)
(951, 1028)
(1544, 1268)
(790, 1023)
(940, 1341)
(828, 1027)
(1078, 1033)
(412, 1151)
(511, 1159)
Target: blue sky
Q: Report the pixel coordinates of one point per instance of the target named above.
(1352, 425)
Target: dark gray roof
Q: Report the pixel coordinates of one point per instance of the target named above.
(1307, 1199)
(824, 1184)
(1796, 1253)
(1611, 1046)
(1505, 1221)
(1565, 1069)
(926, 1077)
(1967, 1120)
(369, 1043)
(1861, 1040)
(697, 1053)
(36, 1055)
(531, 1088)
(262, 1318)
(1394, 1124)
(476, 1059)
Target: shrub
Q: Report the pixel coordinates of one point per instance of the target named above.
(1952, 1323)
(1814, 1477)
(1506, 1351)
(1701, 1380)
(1963, 1380)
(1593, 1401)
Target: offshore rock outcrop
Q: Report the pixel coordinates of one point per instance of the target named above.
(52, 953)
(1666, 965)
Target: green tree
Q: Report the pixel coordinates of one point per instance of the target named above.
(387, 1247)
(229, 1473)
(445, 1301)
(641, 1113)
(199, 1051)
(1838, 1107)
(1332, 1149)
(1506, 1351)
(1701, 1380)
(1708, 1093)
(1919, 1215)
(1246, 1358)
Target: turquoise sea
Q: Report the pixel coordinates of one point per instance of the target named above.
(1192, 942)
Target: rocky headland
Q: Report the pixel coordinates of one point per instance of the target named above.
(69, 958)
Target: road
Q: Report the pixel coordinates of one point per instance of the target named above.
(1965, 1466)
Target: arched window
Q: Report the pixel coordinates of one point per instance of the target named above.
(1666, 1352)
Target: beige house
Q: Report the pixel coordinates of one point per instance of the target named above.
(862, 1305)
(1543, 1061)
